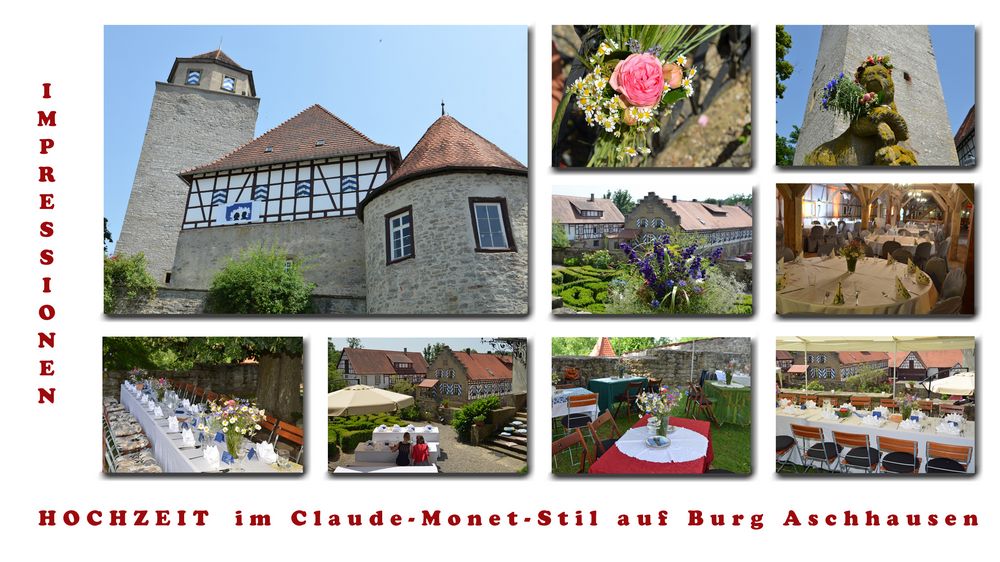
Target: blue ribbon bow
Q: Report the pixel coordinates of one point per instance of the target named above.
(227, 458)
(220, 437)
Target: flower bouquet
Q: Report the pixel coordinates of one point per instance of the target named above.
(852, 252)
(633, 79)
(847, 97)
(658, 406)
(237, 419)
(672, 276)
(137, 377)
(160, 386)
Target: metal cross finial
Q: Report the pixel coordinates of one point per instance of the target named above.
(442, 108)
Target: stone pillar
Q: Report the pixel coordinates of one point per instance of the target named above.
(918, 94)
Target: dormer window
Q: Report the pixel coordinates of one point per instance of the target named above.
(228, 84)
(193, 77)
(320, 142)
(268, 149)
(597, 214)
(403, 365)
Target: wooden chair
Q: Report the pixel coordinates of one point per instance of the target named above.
(705, 404)
(926, 406)
(784, 445)
(945, 409)
(211, 396)
(603, 445)
(199, 394)
(627, 397)
(860, 453)
(807, 397)
(577, 419)
(566, 444)
(267, 425)
(834, 400)
(292, 434)
(813, 449)
(787, 396)
(652, 385)
(948, 459)
(889, 403)
(901, 455)
(863, 402)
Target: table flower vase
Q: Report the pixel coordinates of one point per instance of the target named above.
(852, 263)
(653, 426)
(664, 423)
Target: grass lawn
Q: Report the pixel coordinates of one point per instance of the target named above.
(730, 444)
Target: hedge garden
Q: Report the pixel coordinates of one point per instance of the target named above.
(348, 432)
(582, 287)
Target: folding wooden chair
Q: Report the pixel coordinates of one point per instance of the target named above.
(595, 426)
(945, 409)
(901, 457)
(267, 426)
(627, 397)
(862, 402)
(566, 444)
(889, 403)
(948, 459)
(784, 445)
(860, 453)
(706, 405)
(292, 434)
(813, 449)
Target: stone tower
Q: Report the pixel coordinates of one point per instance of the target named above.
(448, 233)
(206, 108)
(918, 94)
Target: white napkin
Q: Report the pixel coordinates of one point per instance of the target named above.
(830, 415)
(883, 410)
(784, 402)
(429, 427)
(172, 423)
(872, 421)
(213, 457)
(186, 403)
(158, 411)
(266, 453)
(410, 428)
(909, 424)
(955, 418)
(791, 410)
(945, 427)
(144, 400)
(810, 404)
(396, 427)
(187, 438)
(382, 427)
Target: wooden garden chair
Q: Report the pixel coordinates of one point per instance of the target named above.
(901, 455)
(566, 444)
(603, 445)
(948, 459)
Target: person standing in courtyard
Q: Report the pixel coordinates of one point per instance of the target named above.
(402, 450)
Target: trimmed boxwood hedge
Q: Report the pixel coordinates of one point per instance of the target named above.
(348, 431)
(578, 297)
(583, 287)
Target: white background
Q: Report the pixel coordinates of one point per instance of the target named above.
(52, 453)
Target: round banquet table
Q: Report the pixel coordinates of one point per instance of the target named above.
(908, 243)
(732, 402)
(874, 278)
(614, 461)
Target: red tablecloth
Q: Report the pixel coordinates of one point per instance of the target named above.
(614, 461)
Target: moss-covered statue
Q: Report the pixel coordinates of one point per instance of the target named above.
(877, 129)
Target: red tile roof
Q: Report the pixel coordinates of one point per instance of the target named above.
(695, 215)
(853, 357)
(782, 355)
(566, 209)
(219, 56)
(380, 362)
(295, 140)
(427, 383)
(484, 366)
(797, 369)
(942, 359)
(603, 348)
(448, 145)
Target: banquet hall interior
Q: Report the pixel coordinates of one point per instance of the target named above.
(654, 406)
(215, 405)
(875, 249)
(875, 405)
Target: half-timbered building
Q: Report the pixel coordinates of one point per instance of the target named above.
(729, 227)
(460, 377)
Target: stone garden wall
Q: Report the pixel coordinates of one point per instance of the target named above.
(239, 380)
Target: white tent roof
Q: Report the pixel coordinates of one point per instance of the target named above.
(962, 384)
(874, 343)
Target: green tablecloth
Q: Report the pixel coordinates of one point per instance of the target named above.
(608, 388)
(732, 404)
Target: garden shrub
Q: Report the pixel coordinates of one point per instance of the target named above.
(463, 419)
(578, 297)
(601, 259)
(349, 440)
(410, 413)
(814, 386)
(868, 380)
(597, 308)
(260, 282)
(557, 277)
(126, 282)
(570, 262)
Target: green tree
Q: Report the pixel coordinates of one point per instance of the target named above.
(572, 346)
(403, 387)
(785, 147)
(260, 281)
(354, 343)
(107, 236)
(782, 68)
(627, 345)
(127, 282)
(335, 378)
(432, 350)
(559, 237)
(622, 199)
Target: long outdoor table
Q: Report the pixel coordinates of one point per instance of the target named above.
(166, 446)
(613, 461)
(813, 417)
(386, 470)
(391, 435)
(379, 452)
(732, 403)
(608, 388)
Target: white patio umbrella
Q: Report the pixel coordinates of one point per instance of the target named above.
(362, 399)
(961, 384)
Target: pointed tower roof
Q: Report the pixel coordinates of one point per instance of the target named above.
(312, 134)
(218, 56)
(448, 146)
(603, 349)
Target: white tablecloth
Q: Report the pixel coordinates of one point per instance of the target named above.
(379, 452)
(385, 470)
(738, 378)
(166, 446)
(873, 277)
(387, 435)
(560, 403)
(685, 445)
(908, 243)
(814, 417)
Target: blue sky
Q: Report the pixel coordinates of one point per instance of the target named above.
(388, 82)
(954, 47)
(416, 344)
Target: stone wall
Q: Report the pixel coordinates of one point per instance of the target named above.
(919, 99)
(187, 127)
(237, 380)
(671, 365)
(330, 249)
(173, 301)
(447, 275)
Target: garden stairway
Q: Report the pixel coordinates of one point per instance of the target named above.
(514, 445)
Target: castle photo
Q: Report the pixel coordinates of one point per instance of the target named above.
(321, 184)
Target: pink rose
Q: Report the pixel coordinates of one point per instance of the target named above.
(639, 79)
(673, 74)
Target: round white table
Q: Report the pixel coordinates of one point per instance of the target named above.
(870, 290)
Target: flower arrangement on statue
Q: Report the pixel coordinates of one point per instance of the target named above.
(847, 97)
(160, 386)
(236, 419)
(672, 277)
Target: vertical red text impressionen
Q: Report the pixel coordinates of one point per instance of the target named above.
(46, 257)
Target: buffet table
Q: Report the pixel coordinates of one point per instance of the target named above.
(384, 434)
(379, 452)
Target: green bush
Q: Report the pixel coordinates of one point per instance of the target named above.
(557, 277)
(601, 259)
(465, 416)
(868, 380)
(578, 297)
(260, 281)
(571, 262)
(744, 306)
(126, 282)
(410, 413)
(814, 386)
(597, 308)
(349, 440)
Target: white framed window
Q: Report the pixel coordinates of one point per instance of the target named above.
(228, 84)
(193, 77)
(491, 225)
(399, 235)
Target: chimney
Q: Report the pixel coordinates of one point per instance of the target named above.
(404, 350)
(673, 199)
(591, 198)
(693, 200)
